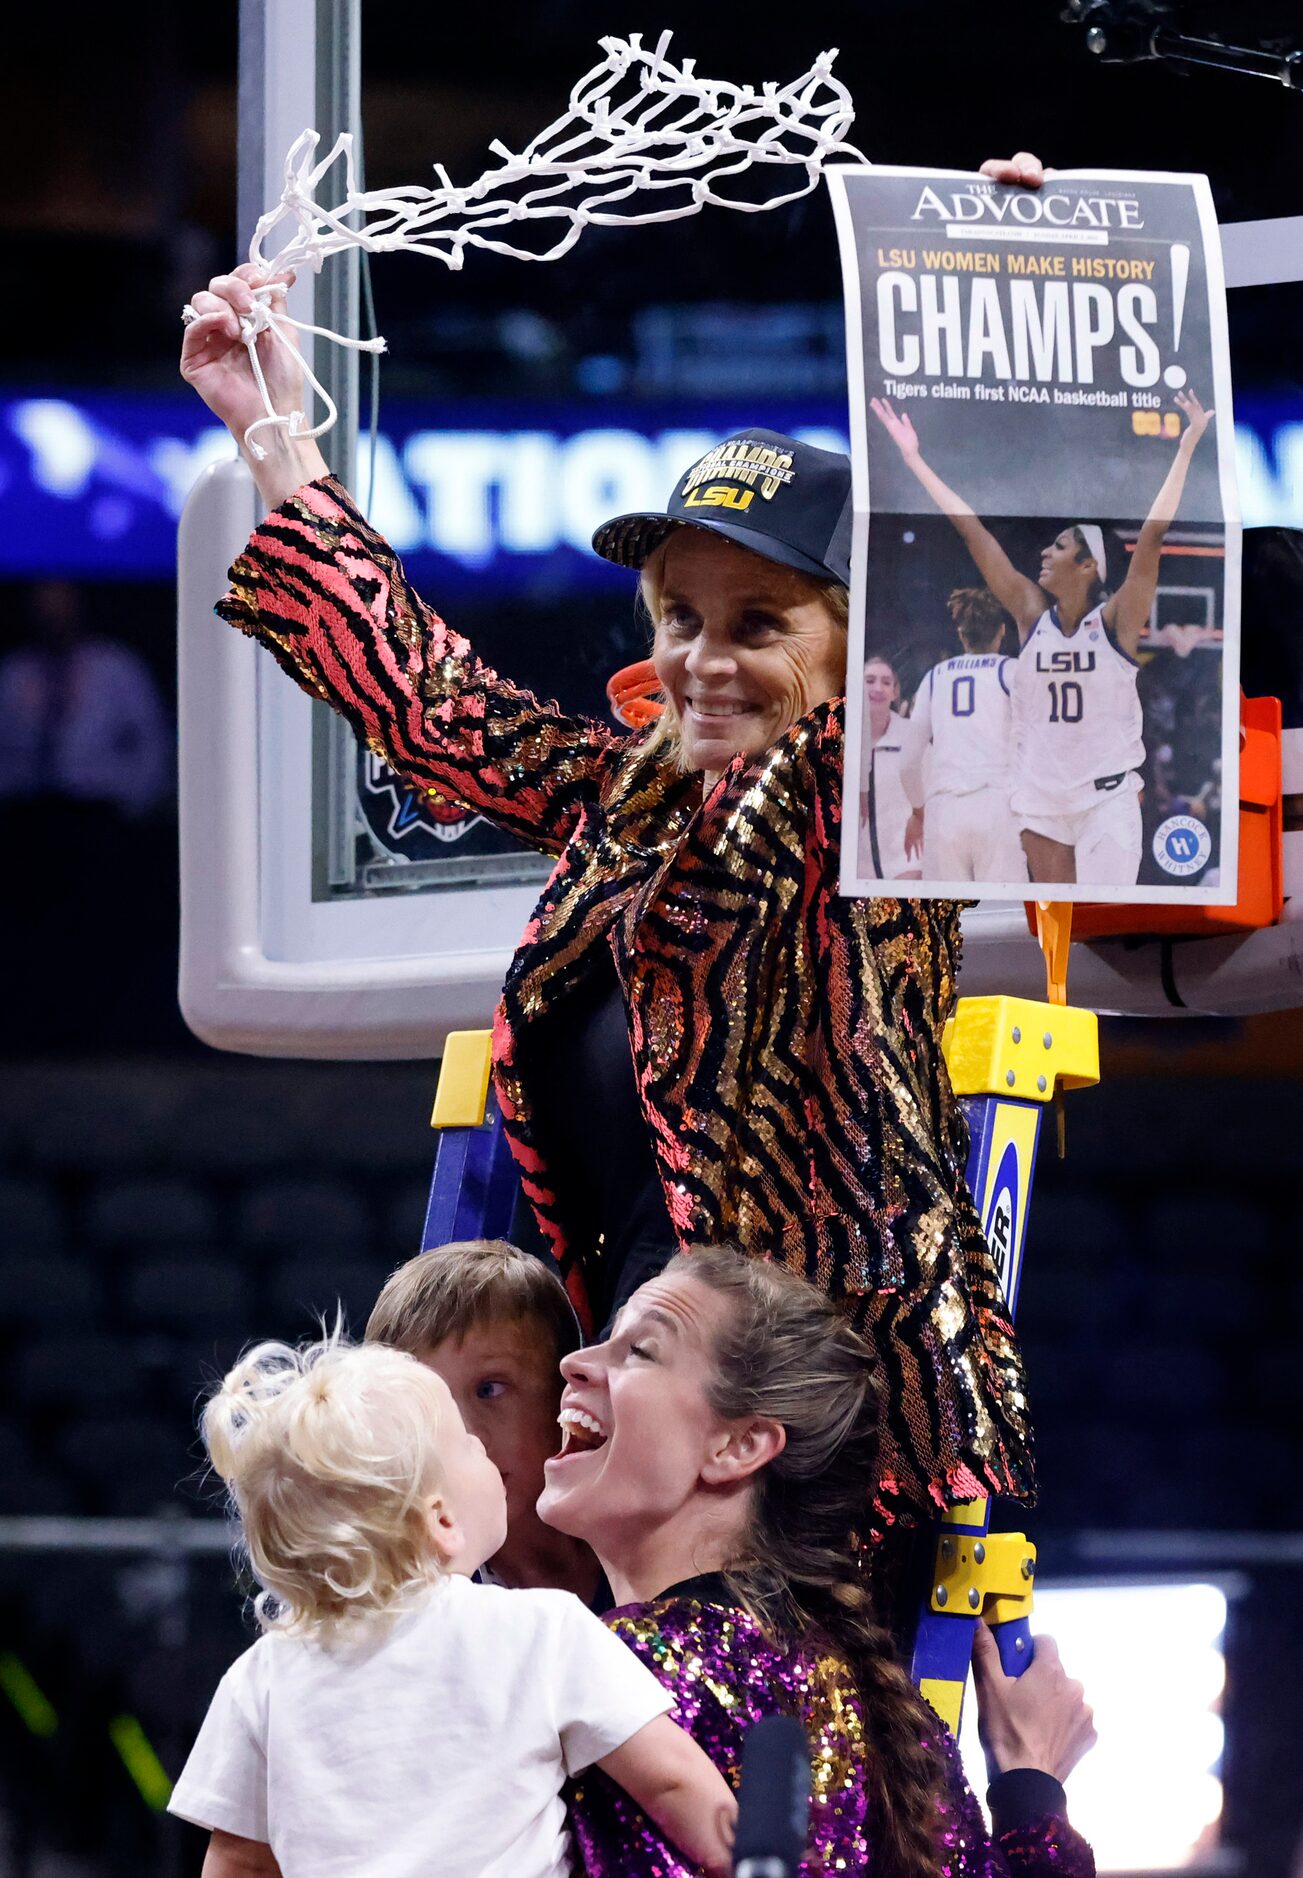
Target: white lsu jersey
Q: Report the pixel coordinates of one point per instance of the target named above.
(1077, 720)
(958, 737)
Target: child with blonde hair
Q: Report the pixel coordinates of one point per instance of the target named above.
(395, 1718)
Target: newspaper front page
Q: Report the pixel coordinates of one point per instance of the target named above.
(1043, 692)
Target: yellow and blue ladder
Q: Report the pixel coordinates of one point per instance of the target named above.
(1008, 1058)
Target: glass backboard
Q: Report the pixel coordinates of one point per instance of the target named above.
(325, 910)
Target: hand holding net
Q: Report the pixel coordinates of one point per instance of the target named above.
(642, 140)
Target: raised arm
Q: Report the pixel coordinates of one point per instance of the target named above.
(1127, 613)
(214, 361)
(329, 599)
(1015, 592)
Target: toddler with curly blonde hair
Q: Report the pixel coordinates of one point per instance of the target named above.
(393, 1717)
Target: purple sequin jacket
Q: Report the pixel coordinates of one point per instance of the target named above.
(725, 1674)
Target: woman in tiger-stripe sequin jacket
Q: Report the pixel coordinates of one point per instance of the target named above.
(786, 1041)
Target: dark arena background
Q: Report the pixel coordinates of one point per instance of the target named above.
(161, 1201)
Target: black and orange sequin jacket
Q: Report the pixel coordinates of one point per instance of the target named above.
(786, 1041)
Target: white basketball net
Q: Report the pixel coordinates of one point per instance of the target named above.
(643, 140)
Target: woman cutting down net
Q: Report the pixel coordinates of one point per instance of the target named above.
(698, 1038)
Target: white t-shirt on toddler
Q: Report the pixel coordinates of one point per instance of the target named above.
(433, 1747)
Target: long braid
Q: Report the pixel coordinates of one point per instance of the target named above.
(787, 1353)
(906, 1769)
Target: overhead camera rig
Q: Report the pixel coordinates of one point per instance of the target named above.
(1187, 32)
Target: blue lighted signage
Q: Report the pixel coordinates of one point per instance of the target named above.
(92, 484)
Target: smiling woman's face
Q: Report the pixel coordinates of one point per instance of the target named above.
(641, 1439)
(881, 693)
(743, 647)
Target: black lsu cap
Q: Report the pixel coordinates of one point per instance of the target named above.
(785, 500)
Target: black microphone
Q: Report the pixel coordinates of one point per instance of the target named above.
(773, 1806)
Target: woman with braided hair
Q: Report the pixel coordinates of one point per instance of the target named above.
(715, 1451)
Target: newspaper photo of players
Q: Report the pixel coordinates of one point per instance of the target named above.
(1043, 700)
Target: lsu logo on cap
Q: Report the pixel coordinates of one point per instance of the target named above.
(720, 496)
(731, 472)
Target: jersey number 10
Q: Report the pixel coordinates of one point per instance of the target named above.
(1066, 702)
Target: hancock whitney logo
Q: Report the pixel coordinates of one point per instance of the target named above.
(405, 809)
(1182, 845)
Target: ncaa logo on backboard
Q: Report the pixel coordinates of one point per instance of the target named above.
(407, 810)
(1001, 1222)
(1182, 845)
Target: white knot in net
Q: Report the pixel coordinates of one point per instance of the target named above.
(642, 140)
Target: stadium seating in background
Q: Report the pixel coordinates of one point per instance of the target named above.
(154, 1219)
(133, 1213)
(31, 1219)
(298, 1215)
